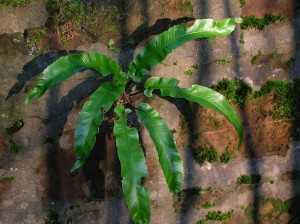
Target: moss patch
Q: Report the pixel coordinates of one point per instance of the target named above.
(236, 90)
(205, 153)
(260, 23)
(248, 179)
(270, 209)
(216, 216)
(15, 2)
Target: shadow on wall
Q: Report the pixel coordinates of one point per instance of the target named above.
(56, 184)
(295, 72)
(59, 186)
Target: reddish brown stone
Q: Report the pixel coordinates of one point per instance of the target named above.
(54, 40)
(55, 179)
(260, 8)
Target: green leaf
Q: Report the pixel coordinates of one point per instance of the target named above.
(158, 49)
(169, 157)
(91, 117)
(133, 167)
(67, 66)
(201, 95)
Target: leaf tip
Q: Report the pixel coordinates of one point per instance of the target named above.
(238, 20)
(78, 164)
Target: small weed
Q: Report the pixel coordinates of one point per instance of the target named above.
(36, 35)
(276, 55)
(52, 217)
(214, 122)
(197, 136)
(255, 58)
(189, 194)
(195, 66)
(173, 131)
(222, 61)
(111, 46)
(271, 181)
(242, 38)
(201, 221)
(209, 190)
(242, 3)
(248, 179)
(183, 123)
(14, 148)
(188, 72)
(205, 153)
(77, 207)
(10, 178)
(208, 204)
(260, 23)
(242, 207)
(290, 62)
(226, 156)
(217, 216)
(175, 63)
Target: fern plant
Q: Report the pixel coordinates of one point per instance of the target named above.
(115, 95)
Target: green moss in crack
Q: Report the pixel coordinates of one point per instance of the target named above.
(276, 55)
(186, 117)
(252, 21)
(189, 194)
(186, 198)
(222, 61)
(15, 2)
(187, 5)
(226, 156)
(196, 66)
(208, 204)
(248, 179)
(276, 207)
(14, 148)
(242, 38)
(205, 153)
(289, 63)
(236, 91)
(255, 58)
(209, 189)
(183, 123)
(10, 178)
(242, 3)
(188, 72)
(37, 35)
(214, 122)
(217, 216)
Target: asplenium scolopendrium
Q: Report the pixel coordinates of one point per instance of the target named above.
(131, 156)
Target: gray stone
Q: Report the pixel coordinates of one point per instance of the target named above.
(19, 18)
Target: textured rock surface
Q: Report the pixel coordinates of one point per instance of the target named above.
(19, 18)
(41, 167)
